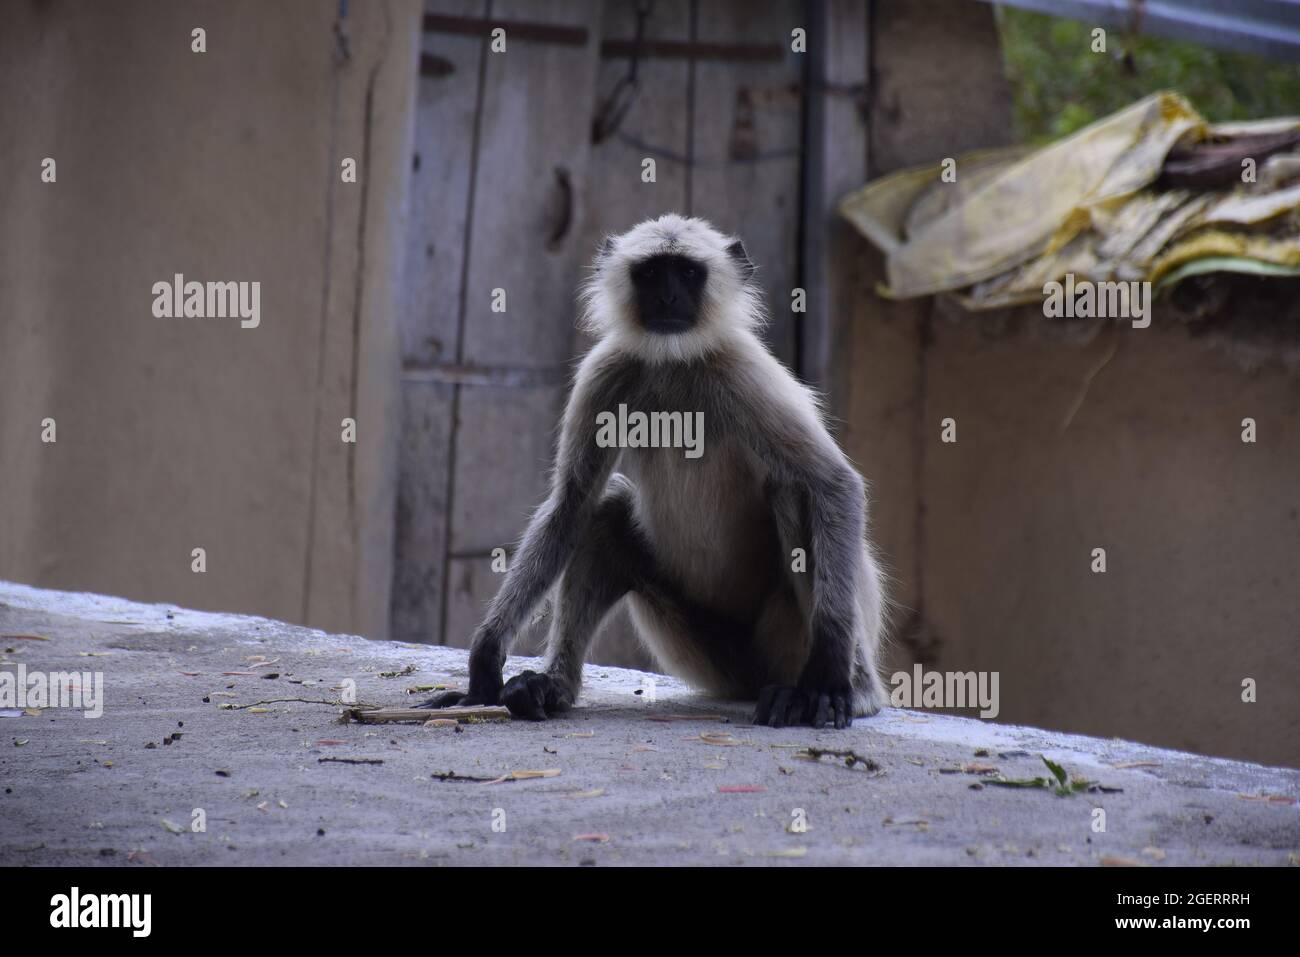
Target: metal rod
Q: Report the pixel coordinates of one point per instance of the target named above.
(515, 29)
(685, 50)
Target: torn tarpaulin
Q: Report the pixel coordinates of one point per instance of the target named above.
(1097, 205)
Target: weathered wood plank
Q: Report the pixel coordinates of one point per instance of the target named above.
(429, 321)
(471, 584)
(505, 442)
(421, 715)
(654, 126)
(835, 163)
(532, 165)
(440, 188)
(747, 142)
(422, 508)
(524, 239)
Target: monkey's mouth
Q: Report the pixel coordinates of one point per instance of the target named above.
(668, 325)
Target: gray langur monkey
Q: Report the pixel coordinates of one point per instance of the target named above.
(702, 548)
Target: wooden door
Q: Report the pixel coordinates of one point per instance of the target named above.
(510, 193)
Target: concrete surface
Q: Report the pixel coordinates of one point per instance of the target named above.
(629, 789)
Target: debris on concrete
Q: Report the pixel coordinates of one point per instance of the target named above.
(628, 777)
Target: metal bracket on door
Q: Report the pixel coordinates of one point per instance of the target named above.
(609, 49)
(684, 50)
(515, 29)
(496, 376)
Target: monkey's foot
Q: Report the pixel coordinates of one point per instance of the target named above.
(455, 699)
(782, 705)
(533, 696)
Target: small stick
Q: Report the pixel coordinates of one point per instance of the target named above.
(255, 704)
(421, 715)
(349, 760)
(453, 776)
(851, 758)
(686, 717)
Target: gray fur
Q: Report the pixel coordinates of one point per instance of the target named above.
(701, 548)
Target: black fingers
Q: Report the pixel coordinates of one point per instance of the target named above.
(821, 711)
(843, 710)
(528, 695)
(780, 706)
(460, 699)
(832, 708)
(444, 699)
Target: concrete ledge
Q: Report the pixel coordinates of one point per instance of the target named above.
(630, 789)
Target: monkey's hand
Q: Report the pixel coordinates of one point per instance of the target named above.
(534, 696)
(782, 705)
(484, 689)
(484, 684)
(528, 695)
(455, 699)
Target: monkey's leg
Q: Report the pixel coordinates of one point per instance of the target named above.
(611, 560)
(552, 536)
(829, 514)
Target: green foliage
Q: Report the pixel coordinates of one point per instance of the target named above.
(1060, 783)
(1060, 85)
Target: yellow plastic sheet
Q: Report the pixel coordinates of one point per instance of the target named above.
(1013, 220)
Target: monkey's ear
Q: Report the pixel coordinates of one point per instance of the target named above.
(606, 248)
(737, 252)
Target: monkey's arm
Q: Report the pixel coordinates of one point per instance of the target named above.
(837, 528)
(581, 470)
(820, 501)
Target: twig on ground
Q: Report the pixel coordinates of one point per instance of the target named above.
(255, 704)
(453, 776)
(421, 715)
(851, 758)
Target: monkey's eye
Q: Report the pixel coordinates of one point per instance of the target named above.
(689, 272)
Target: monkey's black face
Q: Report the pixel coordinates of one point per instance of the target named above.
(668, 291)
